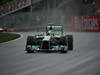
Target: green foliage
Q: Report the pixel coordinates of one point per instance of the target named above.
(66, 3)
(4, 1)
(87, 1)
(4, 37)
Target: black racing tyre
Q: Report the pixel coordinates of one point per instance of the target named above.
(63, 51)
(63, 40)
(31, 40)
(70, 42)
(30, 51)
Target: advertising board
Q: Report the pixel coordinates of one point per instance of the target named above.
(85, 23)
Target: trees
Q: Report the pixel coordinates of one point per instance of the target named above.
(4, 1)
(87, 1)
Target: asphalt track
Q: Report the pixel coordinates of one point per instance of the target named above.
(83, 60)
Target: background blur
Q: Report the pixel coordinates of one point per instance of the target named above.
(74, 15)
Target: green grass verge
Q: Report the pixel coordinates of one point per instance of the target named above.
(4, 37)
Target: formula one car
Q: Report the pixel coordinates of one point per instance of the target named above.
(3, 29)
(51, 41)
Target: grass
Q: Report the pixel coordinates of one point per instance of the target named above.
(4, 37)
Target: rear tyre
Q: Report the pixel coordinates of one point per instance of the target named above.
(31, 40)
(63, 41)
(29, 43)
(70, 42)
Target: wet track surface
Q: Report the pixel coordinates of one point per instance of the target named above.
(83, 60)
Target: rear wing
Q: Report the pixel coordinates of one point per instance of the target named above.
(55, 28)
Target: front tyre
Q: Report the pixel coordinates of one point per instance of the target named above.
(30, 51)
(63, 51)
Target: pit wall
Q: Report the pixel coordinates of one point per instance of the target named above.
(85, 23)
